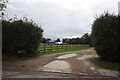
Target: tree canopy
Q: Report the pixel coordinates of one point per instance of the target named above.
(85, 39)
(58, 40)
(20, 35)
(105, 36)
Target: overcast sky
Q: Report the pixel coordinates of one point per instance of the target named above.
(62, 18)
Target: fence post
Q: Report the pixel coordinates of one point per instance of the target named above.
(70, 46)
(44, 47)
(66, 46)
(51, 47)
(62, 46)
(57, 46)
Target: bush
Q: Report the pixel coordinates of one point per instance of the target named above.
(20, 36)
(104, 36)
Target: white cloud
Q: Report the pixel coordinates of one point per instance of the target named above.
(62, 18)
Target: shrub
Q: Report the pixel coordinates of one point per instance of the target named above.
(104, 36)
(20, 35)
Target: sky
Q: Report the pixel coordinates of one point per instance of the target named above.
(61, 18)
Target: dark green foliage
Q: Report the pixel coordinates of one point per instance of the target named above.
(45, 40)
(85, 39)
(104, 36)
(106, 64)
(20, 35)
(3, 6)
(58, 40)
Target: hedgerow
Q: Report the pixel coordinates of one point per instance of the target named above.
(20, 37)
(105, 36)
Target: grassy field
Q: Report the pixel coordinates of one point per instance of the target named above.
(106, 64)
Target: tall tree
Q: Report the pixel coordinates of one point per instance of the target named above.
(104, 36)
(3, 5)
(19, 35)
(58, 40)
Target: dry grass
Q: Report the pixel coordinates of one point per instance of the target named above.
(88, 53)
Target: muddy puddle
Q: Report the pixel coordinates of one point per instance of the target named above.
(57, 66)
(85, 57)
(67, 56)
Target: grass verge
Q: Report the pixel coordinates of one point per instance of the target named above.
(12, 58)
(106, 64)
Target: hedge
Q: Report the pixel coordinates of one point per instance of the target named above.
(20, 37)
(105, 36)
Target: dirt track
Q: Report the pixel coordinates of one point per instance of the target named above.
(79, 68)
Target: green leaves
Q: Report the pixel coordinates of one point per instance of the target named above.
(85, 39)
(104, 36)
(21, 35)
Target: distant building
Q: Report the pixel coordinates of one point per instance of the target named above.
(51, 42)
